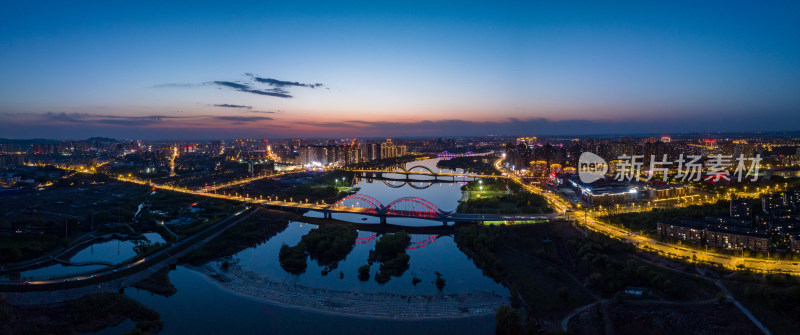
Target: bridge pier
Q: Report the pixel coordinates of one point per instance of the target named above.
(383, 219)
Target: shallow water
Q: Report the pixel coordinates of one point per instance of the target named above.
(201, 307)
(113, 251)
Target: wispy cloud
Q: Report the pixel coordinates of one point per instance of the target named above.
(72, 117)
(233, 106)
(132, 121)
(275, 92)
(345, 124)
(274, 87)
(237, 86)
(108, 119)
(511, 126)
(243, 118)
(281, 83)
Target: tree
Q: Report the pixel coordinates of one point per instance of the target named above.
(515, 300)
(329, 244)
(293, 259)
(390, 251)
(389, 246)
(363, 273)
(507, 321)
(563, 293)
(439, 281)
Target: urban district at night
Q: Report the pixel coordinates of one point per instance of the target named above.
(388, 167)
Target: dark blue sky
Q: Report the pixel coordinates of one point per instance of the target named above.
(281, 69)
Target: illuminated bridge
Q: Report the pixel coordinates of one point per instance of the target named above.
(408, 207)
(419, 184)
(418, 170)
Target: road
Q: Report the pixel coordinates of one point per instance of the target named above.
(172, 252)
(591, 222)
(425, 173)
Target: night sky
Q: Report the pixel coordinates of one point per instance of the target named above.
(201, 70)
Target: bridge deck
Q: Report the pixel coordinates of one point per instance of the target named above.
(451, 217)
(426, 173)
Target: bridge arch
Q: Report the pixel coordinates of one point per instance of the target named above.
(420, 187)
(360, 201)
(413, 206)
(417, 167)
(398, 184)
(422, 243)
(394, 183)
(366, 239)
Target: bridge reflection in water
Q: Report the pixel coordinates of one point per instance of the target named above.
(417, 240)
(408, 207)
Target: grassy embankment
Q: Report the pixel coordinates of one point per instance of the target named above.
(22, 247)
(488, 196)
(248, 233)
(475, 164)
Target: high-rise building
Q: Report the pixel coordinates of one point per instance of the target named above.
(11, 161)
(388, 149)
(741, 208)
(771, 202)
(372, 151)
(791, 198)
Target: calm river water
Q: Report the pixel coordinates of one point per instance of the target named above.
(202, 306)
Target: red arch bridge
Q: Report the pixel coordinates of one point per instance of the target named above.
(409, 207)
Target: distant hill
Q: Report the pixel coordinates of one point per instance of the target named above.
(30, 141)
(51, 141)
(101, 139)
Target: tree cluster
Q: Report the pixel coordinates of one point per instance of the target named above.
(390, 251)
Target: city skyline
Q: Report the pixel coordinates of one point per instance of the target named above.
(381, 70)
(388, 167)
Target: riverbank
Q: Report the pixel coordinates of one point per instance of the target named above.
(63, 255)
(355, 304)
(116, 280)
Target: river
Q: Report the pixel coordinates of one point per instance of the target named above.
(206, 305)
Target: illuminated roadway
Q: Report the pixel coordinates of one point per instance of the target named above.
(173, 251)
(444, 174)
(444, 216)
(593, 223)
